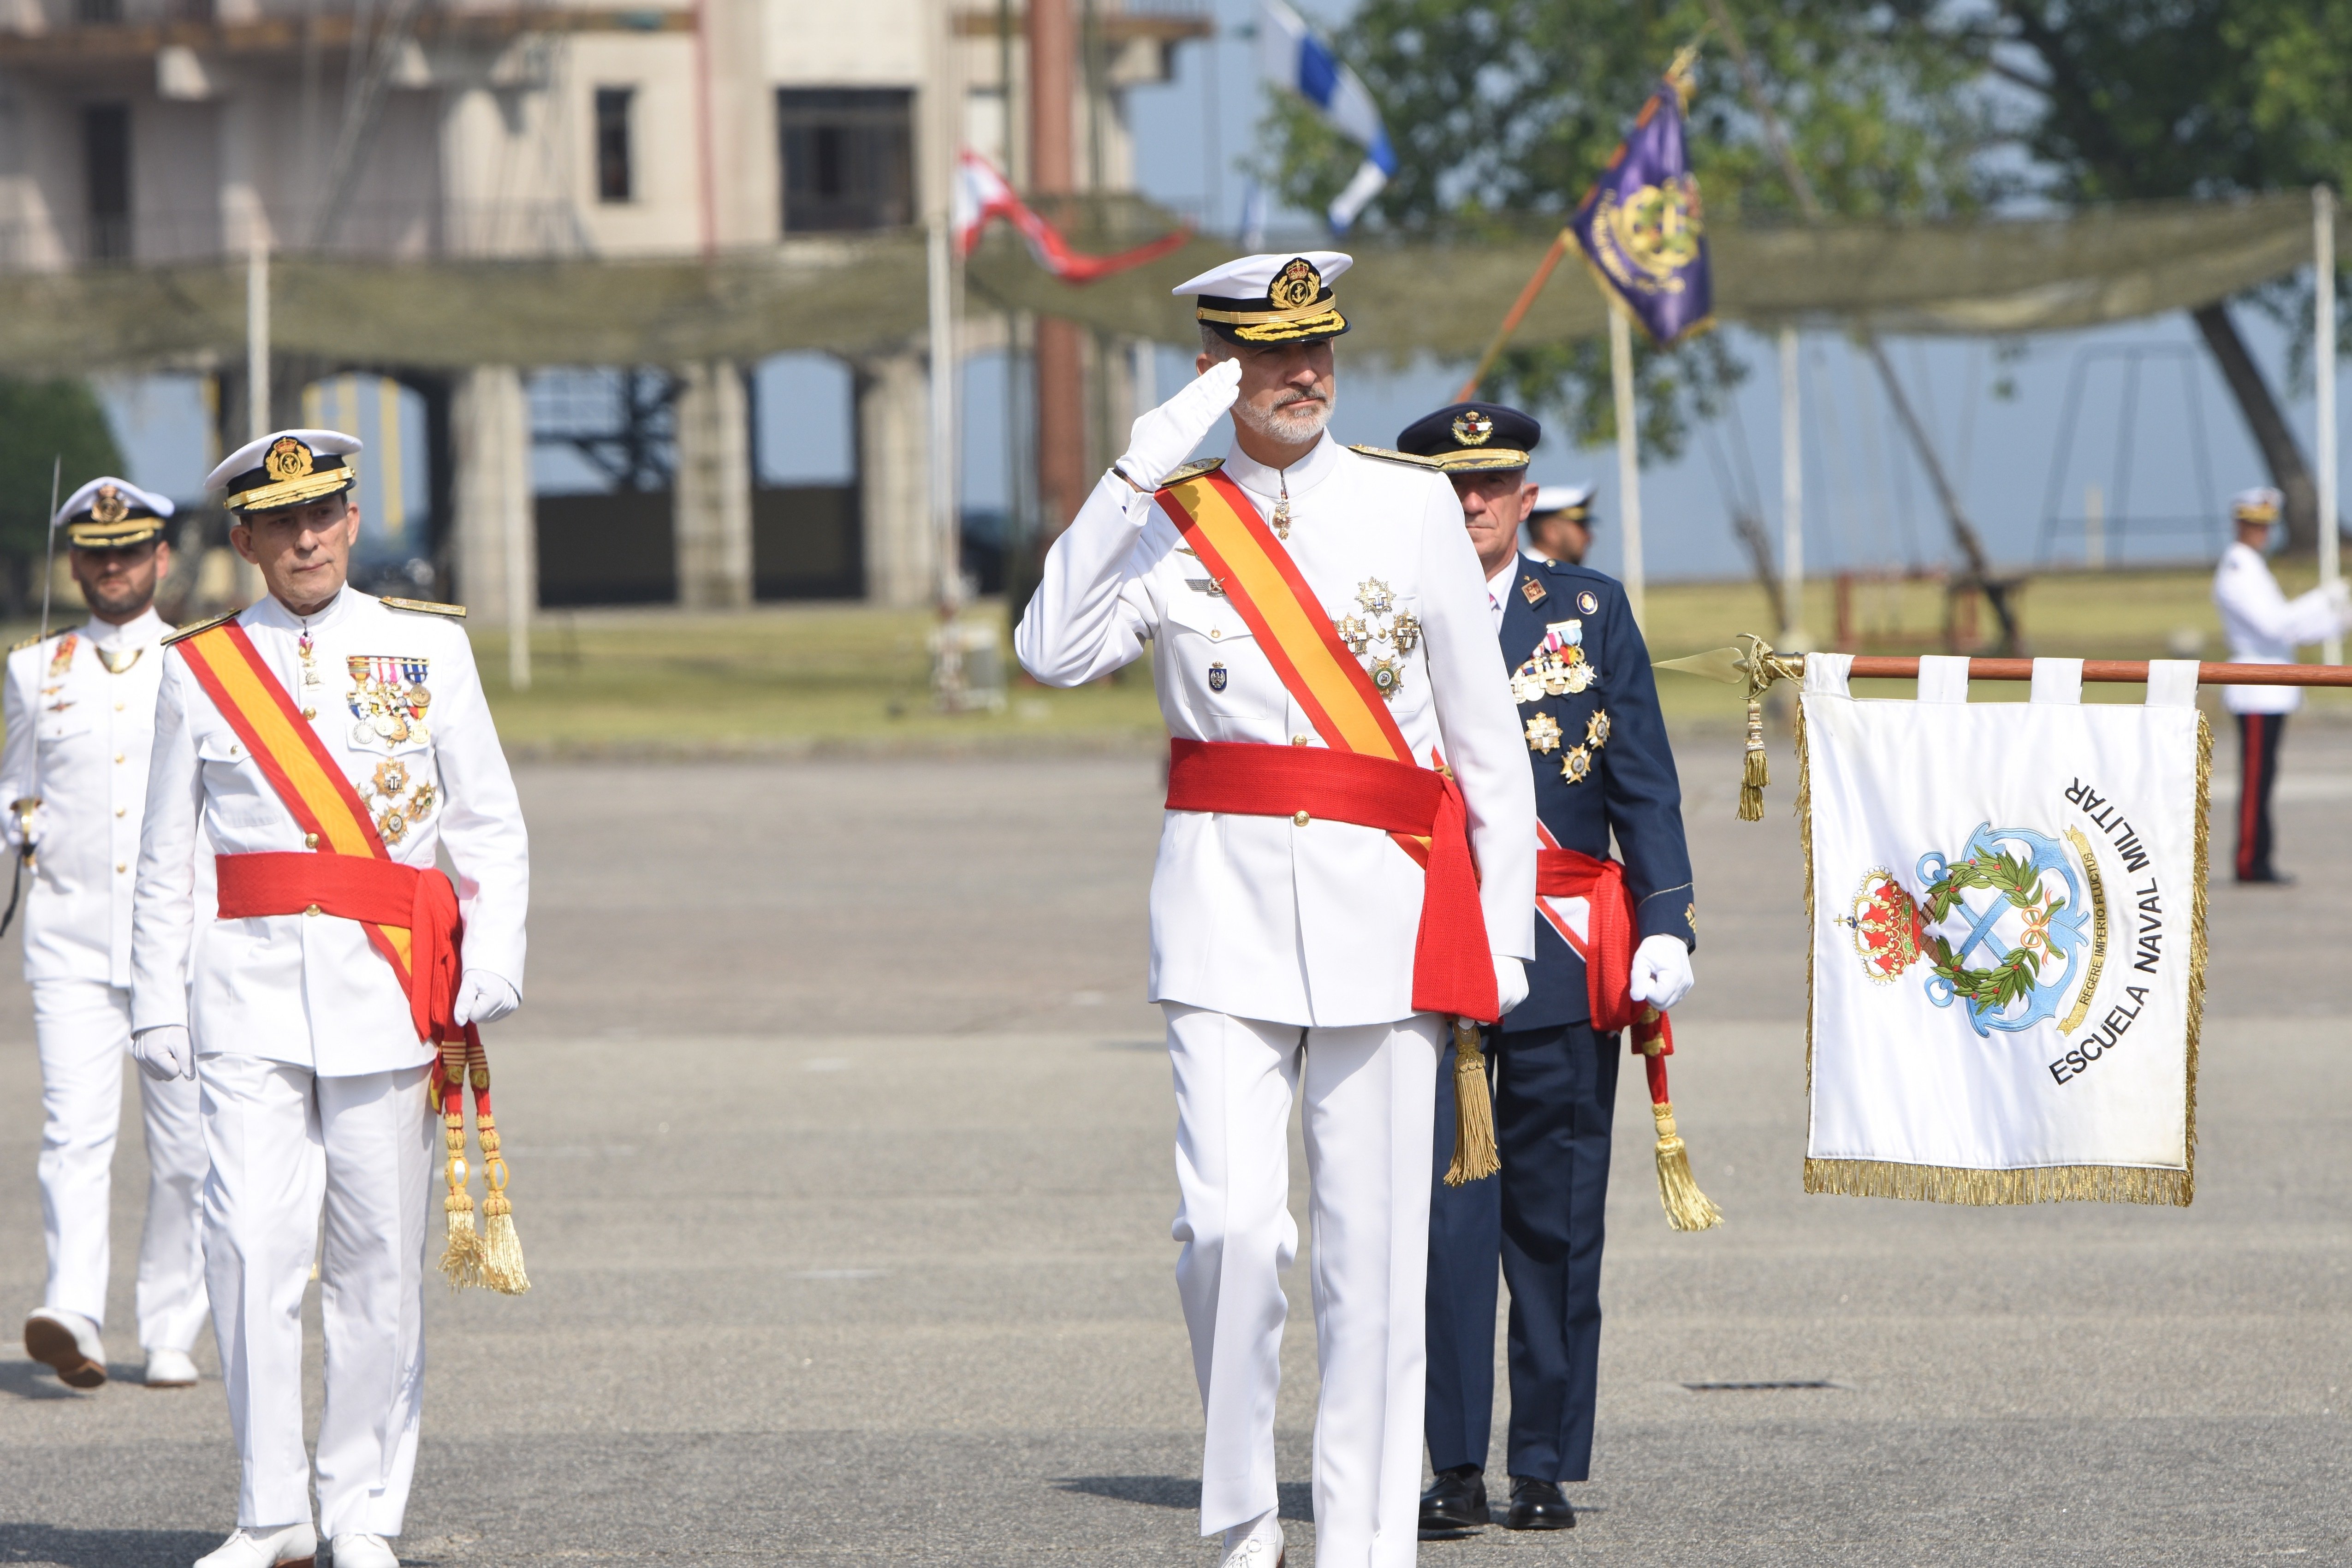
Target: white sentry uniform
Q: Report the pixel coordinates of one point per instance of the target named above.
(1281, 951)
(78, 736)
(313, 1076)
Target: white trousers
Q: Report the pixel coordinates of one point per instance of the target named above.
(1370, 1099)
(83, 1030)
(286, 1147)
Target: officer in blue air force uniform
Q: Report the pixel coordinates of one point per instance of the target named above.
(1589, 712)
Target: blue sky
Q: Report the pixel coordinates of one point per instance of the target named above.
(2135, 409)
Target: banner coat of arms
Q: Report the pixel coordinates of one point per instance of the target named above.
(2008, 929)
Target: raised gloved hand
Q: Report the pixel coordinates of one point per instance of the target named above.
(485, 998)
(164, 1052)
(1661, 972)
(1510, 982)
(1164, 437)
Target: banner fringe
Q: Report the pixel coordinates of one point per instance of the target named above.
(2034, 1185)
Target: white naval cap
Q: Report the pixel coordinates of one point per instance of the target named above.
(109, 513)
(1273, 298)
(2260, 504)
(284, 468)
(1563, 497)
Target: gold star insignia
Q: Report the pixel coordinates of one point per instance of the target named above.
(1577, 766)
(1543, 734)
(1596, 729)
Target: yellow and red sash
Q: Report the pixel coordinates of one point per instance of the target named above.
(353, 875)
(1452, 972)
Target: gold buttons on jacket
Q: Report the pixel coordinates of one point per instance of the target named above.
(120, 809)
(310, 841)
(1215, 633)
(312, 910)
(121, 867)
(118, 707)
(1299, 740)
(1299, 819)
(118, 756)
(310, 712)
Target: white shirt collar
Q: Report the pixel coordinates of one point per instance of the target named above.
(1322, 460)
(270, 611)
(142, 631)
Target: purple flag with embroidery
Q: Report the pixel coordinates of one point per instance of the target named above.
(1642, 226)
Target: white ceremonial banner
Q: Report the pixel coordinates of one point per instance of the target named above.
(2008, 908)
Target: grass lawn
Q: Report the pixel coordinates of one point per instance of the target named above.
(824, 677)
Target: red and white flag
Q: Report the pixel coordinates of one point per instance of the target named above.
(982, 194)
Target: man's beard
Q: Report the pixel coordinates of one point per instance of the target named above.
(1292, 423)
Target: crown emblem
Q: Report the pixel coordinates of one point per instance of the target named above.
(1474, 428)
(109, 505)
(1884, 918)
(287, 458)
(1297, 286)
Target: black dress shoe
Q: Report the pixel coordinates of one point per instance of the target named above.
(1538, 1505)
(2272, 878)
(1454, 1504)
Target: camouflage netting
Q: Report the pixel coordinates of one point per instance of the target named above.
(867, 294)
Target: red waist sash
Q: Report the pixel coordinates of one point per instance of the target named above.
(1452, 970)
(1609, 960)
(381, 892)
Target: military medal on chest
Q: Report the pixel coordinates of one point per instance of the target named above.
(1383, 626)
(389, 699)
(1557, 667)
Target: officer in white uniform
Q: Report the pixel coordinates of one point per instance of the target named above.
(1282, 950)
(80, 708)
(2262, 625)
(313, 1074)
(1559, 523)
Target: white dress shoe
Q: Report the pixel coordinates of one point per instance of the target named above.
(365, 1552)
(1257, 1544)
(288, 1546)
(68, 1342)
(170, 1369)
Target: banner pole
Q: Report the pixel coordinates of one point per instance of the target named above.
(1792, 497)
(1513, 316)
(1629, 455)
(2323, 318)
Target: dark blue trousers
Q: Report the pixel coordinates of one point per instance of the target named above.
(1555, 1090)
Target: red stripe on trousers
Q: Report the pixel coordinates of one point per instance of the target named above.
(2250, 792)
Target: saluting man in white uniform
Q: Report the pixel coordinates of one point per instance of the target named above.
(81, 709)
(1329, 613)
(318, 734)
(2262, 625)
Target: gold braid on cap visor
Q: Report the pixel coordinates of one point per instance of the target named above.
(1480, 460)
(90, 534)
(1318, 318)
(277, 494)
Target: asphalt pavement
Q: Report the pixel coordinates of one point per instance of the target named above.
(841, 1145)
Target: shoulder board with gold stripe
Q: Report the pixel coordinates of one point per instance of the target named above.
(184, 632)
(427, 608)
(28, 642)
(1386, 455)
(1193, 470)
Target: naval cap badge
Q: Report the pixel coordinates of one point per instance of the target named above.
(1297, 285)
(286, 460)
(1474, 428)
(109, 505)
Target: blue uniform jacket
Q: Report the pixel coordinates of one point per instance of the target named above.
(1630, 791)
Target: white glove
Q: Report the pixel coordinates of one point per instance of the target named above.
(164, 1052)
(1661, 972)
(1164, 437)
(2339, 599)
(1510, 982)
(485, 998)
(28, 829)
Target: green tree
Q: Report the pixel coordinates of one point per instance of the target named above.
(1502, 111)
(2195, 98)
(44, 423)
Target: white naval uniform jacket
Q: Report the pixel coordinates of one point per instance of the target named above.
(1253, 916)
(78, 738)
(2262, 625)
(309, 989)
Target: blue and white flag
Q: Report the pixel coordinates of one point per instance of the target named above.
(1297, 61)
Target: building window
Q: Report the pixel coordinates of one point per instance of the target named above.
(613, 144)
(106, 173)
(848, 158)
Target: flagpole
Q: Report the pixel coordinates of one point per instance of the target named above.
(1629, 455)
(2322, 369)
(1793, 497)
(1517, 313)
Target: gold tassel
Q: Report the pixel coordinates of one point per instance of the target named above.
(501, 1249)
(1757, 769)
(1474, 1155)
(1686, 1207)
(461, 1260)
